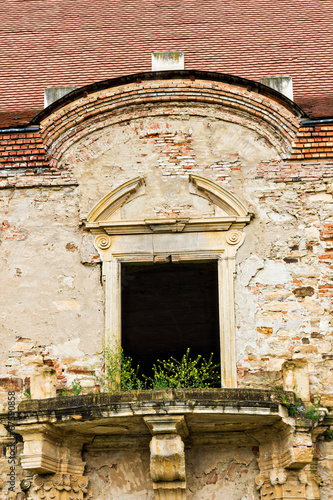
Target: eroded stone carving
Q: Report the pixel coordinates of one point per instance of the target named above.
(102, 242)
(57, 487)
(285, 462)
(296, 378)
(56, 458)
(43, 382)
(234, 237)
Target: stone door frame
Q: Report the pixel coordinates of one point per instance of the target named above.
(163, 239)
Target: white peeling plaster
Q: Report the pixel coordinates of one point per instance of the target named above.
(281, 218)
(68, 305)
(274, 273)
(68, 349)
(323, 196)
(312, 233)
(249, 268)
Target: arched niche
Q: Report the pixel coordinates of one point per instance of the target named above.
(165, 239)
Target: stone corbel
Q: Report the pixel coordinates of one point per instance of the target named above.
(285, 462)
(54, 460)
(167, 456)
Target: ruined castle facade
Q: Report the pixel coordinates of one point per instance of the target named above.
(223, 184)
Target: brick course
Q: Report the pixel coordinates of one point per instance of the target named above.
(32, 158)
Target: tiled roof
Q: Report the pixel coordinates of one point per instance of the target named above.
(76, 42)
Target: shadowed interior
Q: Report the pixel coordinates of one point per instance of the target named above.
(167, 308)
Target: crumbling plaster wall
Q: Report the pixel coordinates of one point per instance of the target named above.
(46, 285)
(52, 270)
(282, 308)
(52, 308)
(213, 472)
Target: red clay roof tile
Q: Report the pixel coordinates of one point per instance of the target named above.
(76, 42)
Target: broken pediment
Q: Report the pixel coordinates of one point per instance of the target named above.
(174, 206)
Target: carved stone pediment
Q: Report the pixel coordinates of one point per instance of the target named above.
(105, 216)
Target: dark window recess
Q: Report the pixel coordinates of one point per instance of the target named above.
(167, 308)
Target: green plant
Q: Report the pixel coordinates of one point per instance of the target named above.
(298, 410)
(115, 371)
(63, 392)
(312, 413)
(27, 393)
(186, 373)
(75, 390)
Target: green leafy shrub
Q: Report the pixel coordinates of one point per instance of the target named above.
(186, 373)
(312, 413)
(75, 390)
(298, 410)
(116, 373)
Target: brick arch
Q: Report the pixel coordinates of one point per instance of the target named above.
(242, 101)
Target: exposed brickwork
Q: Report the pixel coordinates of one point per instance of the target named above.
(32, 158)
(295, 171)
(313, 142)
(24, 358)
(84, 115)
(23, 162)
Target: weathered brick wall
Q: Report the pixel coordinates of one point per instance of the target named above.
(52, 305)
(169, 129)
(313, 141)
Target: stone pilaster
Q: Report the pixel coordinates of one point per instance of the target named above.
(54, 460)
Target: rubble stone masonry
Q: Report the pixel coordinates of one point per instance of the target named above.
(255, 146)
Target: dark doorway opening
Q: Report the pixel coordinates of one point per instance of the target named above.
(167, 308)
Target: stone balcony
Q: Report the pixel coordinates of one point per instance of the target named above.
(55, 430)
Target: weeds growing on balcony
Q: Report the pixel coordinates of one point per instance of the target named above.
(186, 373)
(116, 372)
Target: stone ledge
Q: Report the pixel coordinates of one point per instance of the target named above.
(210, 414)
(237, 397)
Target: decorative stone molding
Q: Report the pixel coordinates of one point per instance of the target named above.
(56, 487)
(285, 465)
(189, 239)
(103, 210)
(100, 219)
(55, 458)
(50, 450)
(102, 242)
(234, 237)
(218, 195)
(167, 456)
